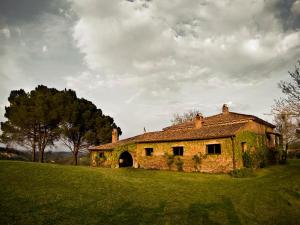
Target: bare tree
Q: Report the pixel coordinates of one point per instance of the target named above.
(187, 116)
(286, 124)
(291, 89)
(287, 110)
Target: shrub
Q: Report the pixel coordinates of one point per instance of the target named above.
(242, 173)
(179, 163)
(169, 159)
(282, 161)
(198, 160)
(100, 160)
(248, 160)
(262, 164)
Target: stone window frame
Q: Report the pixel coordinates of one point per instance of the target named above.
(181, 150)
(214, 149)
(149, 151)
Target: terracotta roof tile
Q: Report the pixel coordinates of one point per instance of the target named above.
(221, 118)
(217, 126)
(110, 146)
(218, 131)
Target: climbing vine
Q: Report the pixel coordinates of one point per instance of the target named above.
(179, 163)
(198, 158)
(169, 159)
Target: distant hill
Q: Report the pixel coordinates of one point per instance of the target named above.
(66, 158)
(13, 154)
(61, 157)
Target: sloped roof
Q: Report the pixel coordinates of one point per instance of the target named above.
(222, 118)
(110, 146)
(217, 126)
(218, 131)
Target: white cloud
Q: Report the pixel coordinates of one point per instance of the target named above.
(145, 39)
(6, 32)
(45, 49)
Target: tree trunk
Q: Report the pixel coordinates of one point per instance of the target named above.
(75, 156)
(33, 153)
(41, 156)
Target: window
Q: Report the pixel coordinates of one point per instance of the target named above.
(101, 154)
(177, 151)
(214, 149)
(149, 151)
(244, 147)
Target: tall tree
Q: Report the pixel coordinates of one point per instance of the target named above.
(33, 119)
(287, 109)
(43, 116)
(83, 124)
(287, 126)
(291, 90)
(20, 126)
(48, 114)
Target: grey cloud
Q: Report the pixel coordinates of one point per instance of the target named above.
(141, 41)
(17, 12)
(287, 14)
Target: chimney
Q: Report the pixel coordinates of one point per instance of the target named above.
(198, 121)
(225, 109)
(114, 135)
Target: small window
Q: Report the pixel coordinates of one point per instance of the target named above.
(178, 151)
(101, 154)
(149, 151)
(214, 149)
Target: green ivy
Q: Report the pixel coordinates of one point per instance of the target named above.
(179, 163)
(198, 160)
(169, 159)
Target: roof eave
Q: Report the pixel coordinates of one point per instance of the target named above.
(188, 139)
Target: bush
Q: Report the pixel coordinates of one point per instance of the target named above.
(198, 160)
(179, 164)
(282, 161)
(262, 164)
(242, 173)
(169, 159)
(248, 160)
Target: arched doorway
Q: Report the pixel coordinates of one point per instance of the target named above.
(125, 160)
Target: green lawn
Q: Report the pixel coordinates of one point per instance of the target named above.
(32, 193)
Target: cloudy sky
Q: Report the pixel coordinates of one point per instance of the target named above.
(140, 61)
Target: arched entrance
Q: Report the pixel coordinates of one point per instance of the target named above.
(125, 160)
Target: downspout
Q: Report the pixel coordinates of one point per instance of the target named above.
(233, 152)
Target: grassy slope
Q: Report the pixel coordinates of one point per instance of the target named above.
(32, 193)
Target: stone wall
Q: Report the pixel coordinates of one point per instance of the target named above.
(253, 134)
(212, 163)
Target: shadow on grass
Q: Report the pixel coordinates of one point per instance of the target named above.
(210, 213)
(198, 213)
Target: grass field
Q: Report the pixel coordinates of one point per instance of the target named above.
(32, 193)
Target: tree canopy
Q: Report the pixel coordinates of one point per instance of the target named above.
(291, 90)
(287, 109)
(39, 118)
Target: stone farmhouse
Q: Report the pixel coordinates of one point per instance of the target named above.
(212, 144)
